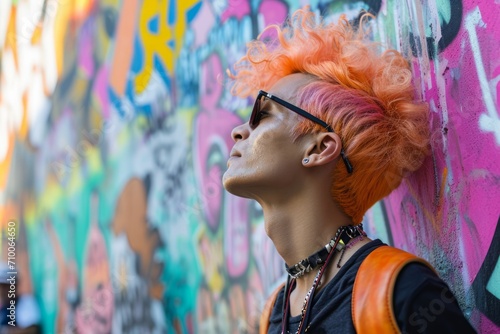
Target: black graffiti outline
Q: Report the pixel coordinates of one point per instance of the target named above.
(486, 302)
(449, 31)
(388, 230)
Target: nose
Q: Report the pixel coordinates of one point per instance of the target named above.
(240, 132)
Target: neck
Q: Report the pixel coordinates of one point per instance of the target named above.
(300, 220)
(302, 225)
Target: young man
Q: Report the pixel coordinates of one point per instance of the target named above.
(335, 127)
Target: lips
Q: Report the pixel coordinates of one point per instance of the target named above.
(234, 153)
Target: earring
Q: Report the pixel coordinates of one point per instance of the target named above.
(305, 161)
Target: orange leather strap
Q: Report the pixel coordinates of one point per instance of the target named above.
(268, 309)
(372, 295)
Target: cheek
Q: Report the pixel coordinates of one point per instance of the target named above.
(269, 142)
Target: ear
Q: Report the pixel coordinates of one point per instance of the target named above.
(324, 149)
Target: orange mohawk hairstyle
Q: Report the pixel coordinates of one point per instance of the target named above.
(365, 93)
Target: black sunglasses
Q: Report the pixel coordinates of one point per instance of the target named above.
(256, 116)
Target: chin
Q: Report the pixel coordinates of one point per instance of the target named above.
(230, 184)
(233, 185)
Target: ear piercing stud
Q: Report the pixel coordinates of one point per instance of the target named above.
(305, 161)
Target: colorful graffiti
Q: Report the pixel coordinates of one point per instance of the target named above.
(115, 126)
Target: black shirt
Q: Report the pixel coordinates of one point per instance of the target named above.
(423, 303)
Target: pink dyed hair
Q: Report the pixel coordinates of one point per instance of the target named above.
(365, 93)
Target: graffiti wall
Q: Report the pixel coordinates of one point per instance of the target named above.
(115, 123)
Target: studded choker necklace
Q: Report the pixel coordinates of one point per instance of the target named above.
(339, 241)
